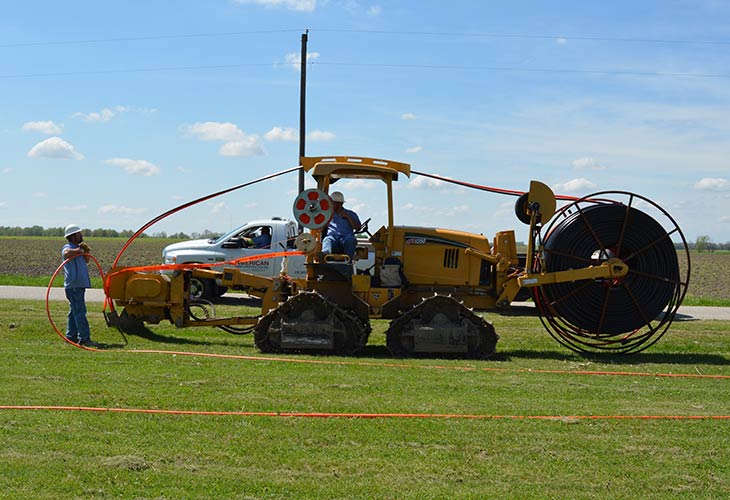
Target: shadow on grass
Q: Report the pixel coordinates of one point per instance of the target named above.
(625, 359)
(143, 332)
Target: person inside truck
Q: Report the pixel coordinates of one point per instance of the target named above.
(340, 232)
(263, 240)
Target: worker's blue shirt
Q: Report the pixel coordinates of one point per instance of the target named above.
(340, 227)
(262, 241)
(75, 272)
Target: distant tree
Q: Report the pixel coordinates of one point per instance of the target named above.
(702, 243)
(179, 236)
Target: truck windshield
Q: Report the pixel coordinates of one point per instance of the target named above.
(227, 235)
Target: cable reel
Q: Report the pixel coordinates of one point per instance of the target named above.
(616, 315)
(313, 209)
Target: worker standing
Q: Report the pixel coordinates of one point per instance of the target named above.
(340, 234)
(75, 281)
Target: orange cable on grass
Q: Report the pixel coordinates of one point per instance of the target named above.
(294, 414)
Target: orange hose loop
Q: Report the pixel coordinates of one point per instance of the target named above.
(48, 296)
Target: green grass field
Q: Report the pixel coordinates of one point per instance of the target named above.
(75, 454)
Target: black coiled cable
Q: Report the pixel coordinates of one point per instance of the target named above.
(610, 314)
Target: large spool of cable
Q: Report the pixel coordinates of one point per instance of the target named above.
(610, 314)
(611, 306)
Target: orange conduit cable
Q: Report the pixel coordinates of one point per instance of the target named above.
(509, 192)
(295, 414)
(48, 296)
(184, 267)
(346, 363)
(195, 202)
(331, 362)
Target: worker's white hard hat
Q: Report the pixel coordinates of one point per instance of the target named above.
(338, 197)
(71, 229)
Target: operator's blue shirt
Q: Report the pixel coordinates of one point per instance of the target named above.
(262, 241)
(340, 227)
(75, 272)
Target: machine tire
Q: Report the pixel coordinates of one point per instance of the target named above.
(202, 289)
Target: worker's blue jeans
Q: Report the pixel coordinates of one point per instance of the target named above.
(77, 329)
(335, 243)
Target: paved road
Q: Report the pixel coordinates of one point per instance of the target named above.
(97, 295)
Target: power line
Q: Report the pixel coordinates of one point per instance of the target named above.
(135, 70)
(527, 36)
(532, 36)
(529, 70)
(373, 65)
(144, 38)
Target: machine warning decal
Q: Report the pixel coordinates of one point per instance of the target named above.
(422, 239)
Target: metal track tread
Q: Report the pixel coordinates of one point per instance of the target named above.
(441, 325)
(309, 322)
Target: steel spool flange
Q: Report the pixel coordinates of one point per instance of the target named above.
(619, 315)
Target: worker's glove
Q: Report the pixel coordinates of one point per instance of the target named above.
(86, 248)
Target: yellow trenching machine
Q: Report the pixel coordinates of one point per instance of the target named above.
(604, 276)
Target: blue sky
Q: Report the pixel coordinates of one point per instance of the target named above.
(114, 112)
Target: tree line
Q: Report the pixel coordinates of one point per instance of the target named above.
(92, 233)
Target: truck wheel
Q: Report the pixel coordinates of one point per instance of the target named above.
(201, 289)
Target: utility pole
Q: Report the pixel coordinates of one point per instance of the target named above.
(302, 106)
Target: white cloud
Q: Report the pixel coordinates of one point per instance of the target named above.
(40, 194)
(587, 163)
(134, 167)
(183, 170)
(237, 143)
(353, 184)
(7, 170)
(48, 128)
(218, 207)
(712, 184)
(293, 59)
(407, 116)
(415, 149)
(215, 131)
(3, 204)
(56, 148)
(320, 135)
(248, 146)
(299, 5)
(73, 208)
(725, 218)
(422, 182)
(104, 115)
(282, 134)
(561, 41)
(375, 10)
(120, 210)
(574, 186)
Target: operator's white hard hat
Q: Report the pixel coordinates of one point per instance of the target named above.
(338, 197)
(71, 229)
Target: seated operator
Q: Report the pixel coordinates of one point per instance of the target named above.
(263, 240)
(340, 233)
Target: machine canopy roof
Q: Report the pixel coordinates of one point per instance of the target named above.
(352, 167)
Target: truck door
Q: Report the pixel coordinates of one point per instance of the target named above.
(250, 242)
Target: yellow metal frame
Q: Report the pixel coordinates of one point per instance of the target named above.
(324, 168)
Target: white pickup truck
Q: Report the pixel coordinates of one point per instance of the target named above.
(236, 244)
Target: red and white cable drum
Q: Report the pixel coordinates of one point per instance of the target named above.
(313, 209)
